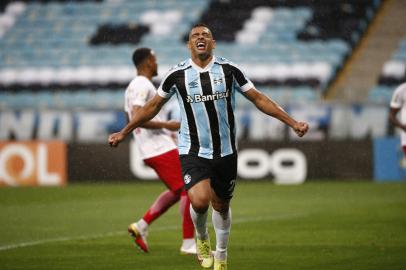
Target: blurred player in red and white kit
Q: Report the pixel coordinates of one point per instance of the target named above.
(398, 103)
(159, 151)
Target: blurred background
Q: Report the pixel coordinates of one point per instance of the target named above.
(64, 67)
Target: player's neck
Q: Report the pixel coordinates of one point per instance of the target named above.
(145, 73)
(202, 60)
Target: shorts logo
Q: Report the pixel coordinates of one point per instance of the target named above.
(187, 178)
(232, 186)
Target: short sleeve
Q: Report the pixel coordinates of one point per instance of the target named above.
(397, 100)
(138, 92)
(167, 87)
(243, 82)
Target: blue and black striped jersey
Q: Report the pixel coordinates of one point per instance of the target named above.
(206, 99)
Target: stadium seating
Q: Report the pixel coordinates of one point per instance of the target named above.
(393, 74)
(54, 47)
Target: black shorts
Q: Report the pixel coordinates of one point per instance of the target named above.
(222, 173)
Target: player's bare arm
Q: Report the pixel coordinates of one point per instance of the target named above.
(144, 114)
(270, 107)
(394, 119)
(170, 125)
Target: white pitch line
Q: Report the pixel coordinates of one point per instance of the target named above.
(110, 234)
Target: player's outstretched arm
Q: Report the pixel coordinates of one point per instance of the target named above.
(270, 107)
(144, 114)
(170, 125)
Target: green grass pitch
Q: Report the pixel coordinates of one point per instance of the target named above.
(318, 225)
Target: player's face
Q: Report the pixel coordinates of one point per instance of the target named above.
(201, 42)
(153, 64)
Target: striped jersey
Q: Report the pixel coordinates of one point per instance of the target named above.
(206, 99)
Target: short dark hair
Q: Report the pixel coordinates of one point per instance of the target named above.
(140, 54)
(199, 25)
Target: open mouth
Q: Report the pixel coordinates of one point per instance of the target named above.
(201, 45)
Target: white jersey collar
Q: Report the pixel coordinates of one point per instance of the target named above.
(206, 68)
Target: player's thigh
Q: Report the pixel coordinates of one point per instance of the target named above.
(219, 204)
(167, 166)
(200, 195)
(194, 170)
(224, 177)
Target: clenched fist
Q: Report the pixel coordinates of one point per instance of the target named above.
(115, 139)
(301, 128)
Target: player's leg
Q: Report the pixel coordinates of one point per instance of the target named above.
(221, 218)
(172, 177)
(200, 196)
(139, 230)
(196, 172)
(162, 203)
(188, 243)
(223, 183)
(161, 165)
(169, 171)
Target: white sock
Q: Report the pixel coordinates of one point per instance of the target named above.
(188, 243)
(143, 226)
(222, 227)
(200, 222)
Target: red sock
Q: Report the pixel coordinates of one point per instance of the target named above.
(165, 200)
(187, 224)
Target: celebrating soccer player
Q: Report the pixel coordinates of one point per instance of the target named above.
(205, 86)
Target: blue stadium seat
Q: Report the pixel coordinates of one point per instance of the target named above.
(56, 34)
(380, 95)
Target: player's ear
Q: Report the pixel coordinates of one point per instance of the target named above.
(148, 61)
(188, 45)
(214, 44)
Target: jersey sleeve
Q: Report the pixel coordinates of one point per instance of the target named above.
(243, 82)
(167, 87)
(397, 100)
(138, 93)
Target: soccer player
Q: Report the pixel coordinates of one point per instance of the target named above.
(159, 151)
(398, 103)
(205, 86)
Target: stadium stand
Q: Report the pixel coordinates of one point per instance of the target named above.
(292, 50)
(393, 74)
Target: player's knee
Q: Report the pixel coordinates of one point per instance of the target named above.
(200, 207)
(177, 192)
(200, 203)
(221, 206)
